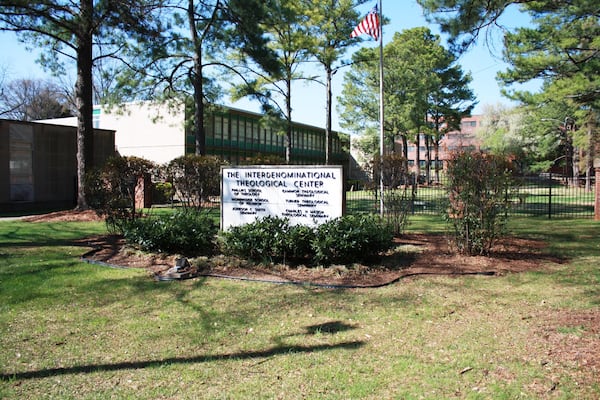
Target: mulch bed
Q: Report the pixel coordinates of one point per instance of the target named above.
(414, 255)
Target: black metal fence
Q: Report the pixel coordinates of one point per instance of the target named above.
(547, 195)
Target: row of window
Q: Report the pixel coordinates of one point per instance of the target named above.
(236, 136)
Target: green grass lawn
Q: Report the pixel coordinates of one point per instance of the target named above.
(71, 330)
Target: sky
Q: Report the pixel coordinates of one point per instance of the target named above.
(308, 100)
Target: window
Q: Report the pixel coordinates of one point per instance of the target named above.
(20, 162)
(96, 117)
(234, 128)
(248, 137)
(218, 127)
(226, 132)
(255, 132)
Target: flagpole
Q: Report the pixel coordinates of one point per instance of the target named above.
(381, 112)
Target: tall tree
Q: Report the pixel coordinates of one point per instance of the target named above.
(68, 29)
(332, 23)
(33, 99)
(421, 77)
(553, 124)
(288, 31)
(562, 47)
(184, 63)
(450, 101)
(359, 101)
(503, 132)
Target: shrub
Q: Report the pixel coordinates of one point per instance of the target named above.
(195, 178)
(478, 186)
(162, 192)
(264, 240)
(110, 190)
(298, 243)
(342, 240)
(397, 207)
(184, 232)
(350, 239)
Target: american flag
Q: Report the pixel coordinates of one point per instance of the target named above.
(369, 25)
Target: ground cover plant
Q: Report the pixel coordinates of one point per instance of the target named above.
(70, 329)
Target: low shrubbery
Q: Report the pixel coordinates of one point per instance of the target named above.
(351, 238)
(110, 190)
(162, 193)
(342, 240)
(183, 232)
(192, 180)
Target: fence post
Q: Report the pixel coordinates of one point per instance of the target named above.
(550, 197)
(597, 190)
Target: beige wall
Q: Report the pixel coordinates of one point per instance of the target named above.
(151, 131)
(148, 130)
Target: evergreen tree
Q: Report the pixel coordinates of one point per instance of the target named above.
(184, 63)
(70, 29)
(562, 48)
(421, 82)
(288, 31)
(332, 22)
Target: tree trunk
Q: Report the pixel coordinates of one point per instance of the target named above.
(589, 167)
(405, 151)
(569, 155)
(196, 80)
(576, 169)
(84, 101)
(417, 168)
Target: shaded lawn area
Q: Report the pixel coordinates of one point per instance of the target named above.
(74, 330)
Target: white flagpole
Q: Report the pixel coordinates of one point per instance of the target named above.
(381, 113)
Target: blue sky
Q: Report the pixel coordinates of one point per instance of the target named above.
(309, 100)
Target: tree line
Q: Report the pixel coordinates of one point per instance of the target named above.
(169, 50)
(166, 49)
(557, 125)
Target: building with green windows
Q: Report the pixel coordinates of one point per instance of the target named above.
(237, 136)
(158, 133)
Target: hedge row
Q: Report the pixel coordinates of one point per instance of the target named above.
(342, 240)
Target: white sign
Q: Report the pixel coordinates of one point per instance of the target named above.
(306, 195)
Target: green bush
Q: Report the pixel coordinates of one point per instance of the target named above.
(110, 190)
(162, 192)
(184, 232)
(264, 240)
(350, 239)
(195, 178)
(397, 207)
(299, 243)
(343, 240)
(478, 188)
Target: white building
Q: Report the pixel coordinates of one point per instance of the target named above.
(153, 131)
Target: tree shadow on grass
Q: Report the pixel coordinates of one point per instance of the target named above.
(134, 365)
(46, 235)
